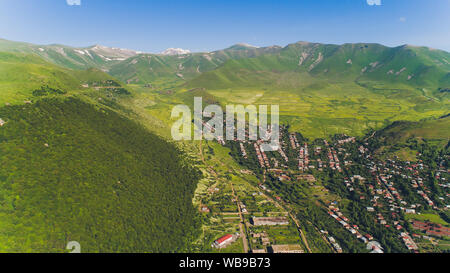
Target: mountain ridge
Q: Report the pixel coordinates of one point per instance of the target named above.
(365, 61)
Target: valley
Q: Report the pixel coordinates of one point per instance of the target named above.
(345, 125)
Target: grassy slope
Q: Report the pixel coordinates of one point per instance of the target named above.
(65, 56)
(21, 74)
(434, 130)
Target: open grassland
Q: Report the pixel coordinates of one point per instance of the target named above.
(20, 75)
(321, 110)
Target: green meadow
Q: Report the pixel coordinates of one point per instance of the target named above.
(336, 108)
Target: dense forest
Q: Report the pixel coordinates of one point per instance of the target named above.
(71, 171)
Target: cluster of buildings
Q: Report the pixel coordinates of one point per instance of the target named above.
(262, 157)
(212, 130)
(333, 159)
(385, 192)
(335, 213)
(413, 176)
(293, 140)
(335, 244)
(243, 151)
(409, 243)
(332, 241)
(283, 154)
(303, 158)
(380, 190)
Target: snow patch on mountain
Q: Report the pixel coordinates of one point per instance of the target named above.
(80, 52)
(113, 52)
(175, 51)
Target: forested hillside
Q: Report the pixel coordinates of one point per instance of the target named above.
(74, 172)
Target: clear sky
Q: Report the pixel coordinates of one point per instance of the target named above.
(205, 25)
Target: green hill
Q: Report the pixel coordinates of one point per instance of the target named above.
(133, 66)
(98, 56)
(74, 172)
(433, 130)
(407, 139)
(21, 74)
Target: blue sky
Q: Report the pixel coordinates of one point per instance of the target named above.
(205, 25)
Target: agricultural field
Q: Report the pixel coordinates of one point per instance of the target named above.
(321, 110)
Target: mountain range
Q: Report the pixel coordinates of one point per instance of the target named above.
(406, 64)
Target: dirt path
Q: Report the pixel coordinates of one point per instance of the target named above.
(302, 235)
(242, 222)
(212, 171)
(201, 152)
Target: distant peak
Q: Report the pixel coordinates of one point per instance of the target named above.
(101, 47)
(175, 51)
(110, 53)
(97, 47)
(303, 43)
